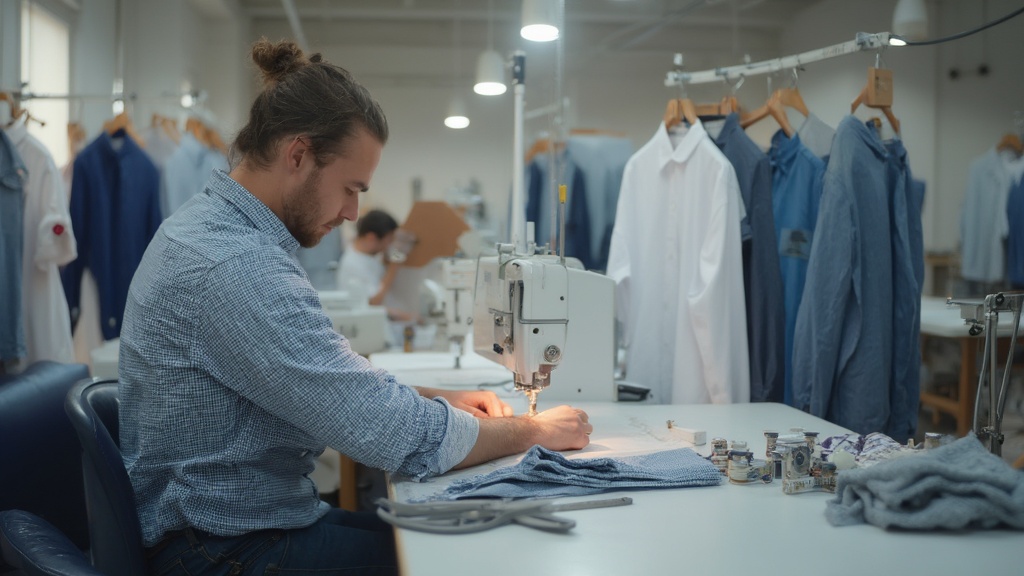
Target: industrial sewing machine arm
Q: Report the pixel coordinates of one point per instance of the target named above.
(982, 315)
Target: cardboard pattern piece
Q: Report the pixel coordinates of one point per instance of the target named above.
(437, 227)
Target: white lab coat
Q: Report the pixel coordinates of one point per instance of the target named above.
(49, 242)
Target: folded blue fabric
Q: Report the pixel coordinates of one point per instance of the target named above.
(543, 473)
(954, 487)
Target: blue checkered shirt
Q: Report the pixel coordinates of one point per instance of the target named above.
(232, 380)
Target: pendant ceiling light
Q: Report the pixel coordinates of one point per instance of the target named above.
(910, 20)
(456, 118)
(540, 20)
(490, 67)
(490, 74)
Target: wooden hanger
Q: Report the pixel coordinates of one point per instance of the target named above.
(772, 107)
(122, 122)
(596, 132)
(76, 137)
(679, 109)
(16, 110)
(197, 129)
(168, 126)
(790, 97)
(215, 142)
(1011, 142)
(877, 93)
(729, 104)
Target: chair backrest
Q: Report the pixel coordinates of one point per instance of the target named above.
(114, 531)
(40, 457)
(34, 547)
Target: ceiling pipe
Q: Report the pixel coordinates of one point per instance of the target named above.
(293, 19)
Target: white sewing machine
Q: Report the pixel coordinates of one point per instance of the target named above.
(458, 279)
(532, 313)
(363, 325)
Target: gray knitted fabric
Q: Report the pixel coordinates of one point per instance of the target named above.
(954, 487)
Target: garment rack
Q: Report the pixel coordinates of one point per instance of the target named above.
(863, 41)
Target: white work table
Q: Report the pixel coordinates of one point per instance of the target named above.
(728, 529)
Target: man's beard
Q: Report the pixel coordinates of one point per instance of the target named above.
(302, 215)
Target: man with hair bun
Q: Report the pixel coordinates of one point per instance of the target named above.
(232, 380)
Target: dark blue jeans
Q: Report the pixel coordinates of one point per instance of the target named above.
(341, 542)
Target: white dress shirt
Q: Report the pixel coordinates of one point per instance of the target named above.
(983, 221)
(49, 242)
(677, 263)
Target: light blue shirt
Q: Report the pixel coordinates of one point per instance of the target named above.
(843, 345)
(796, 191)
(186, 172)
(12, 214)
(601, 159)
(233, 381)
(905, 201)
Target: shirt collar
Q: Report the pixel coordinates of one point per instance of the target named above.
(784, 150)
(685, 148)
(127, 146)
(17, 132)
(860, 130)
(262, 218)
(730, 128)
(14, 177)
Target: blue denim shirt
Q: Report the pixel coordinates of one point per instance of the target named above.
(761, 275)
(577, 211)
(1015, 236)
(797, 176)
(115, 210)
(12, 239)
(906, 199)
(843, 346)
(232, 380)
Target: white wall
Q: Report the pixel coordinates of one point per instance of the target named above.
(946, 123)
(622, 93)
(830, 86)
(973, 111)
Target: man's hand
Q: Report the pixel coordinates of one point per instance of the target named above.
(563, 428)
(480, 403)
(560, 428)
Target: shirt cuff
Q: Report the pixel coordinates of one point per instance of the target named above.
(459, 438)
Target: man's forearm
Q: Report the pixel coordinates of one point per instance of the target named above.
(500, 437)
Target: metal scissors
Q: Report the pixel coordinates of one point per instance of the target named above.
(477, 515)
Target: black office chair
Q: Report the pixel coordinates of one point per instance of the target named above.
(34, 547)
(40, 457)
(114, 529)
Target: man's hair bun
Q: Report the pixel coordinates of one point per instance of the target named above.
(277, 60)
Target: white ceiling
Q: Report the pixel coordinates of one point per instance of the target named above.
(613, 34)
(618, 25)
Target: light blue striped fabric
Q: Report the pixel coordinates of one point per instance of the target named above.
(543, 473)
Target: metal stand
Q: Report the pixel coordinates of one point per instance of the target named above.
(983, 315)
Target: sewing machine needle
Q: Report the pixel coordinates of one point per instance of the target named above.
(532, 395)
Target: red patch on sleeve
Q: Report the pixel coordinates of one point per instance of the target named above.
(58, 229)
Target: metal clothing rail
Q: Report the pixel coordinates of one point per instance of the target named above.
(39, 96)
(863, 41)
